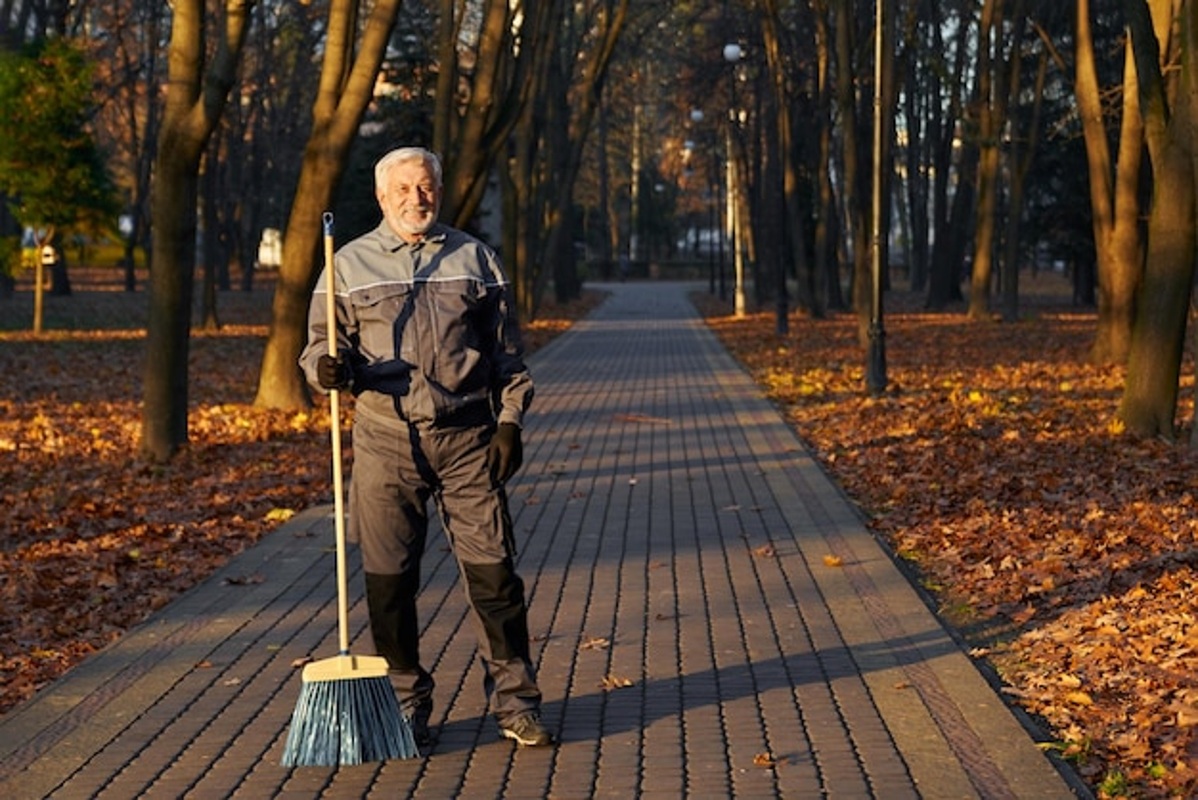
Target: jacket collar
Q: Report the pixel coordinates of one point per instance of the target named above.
(393, 243)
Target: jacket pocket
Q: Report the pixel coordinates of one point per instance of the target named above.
(384, 313)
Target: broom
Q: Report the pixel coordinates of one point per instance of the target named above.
(347, 711)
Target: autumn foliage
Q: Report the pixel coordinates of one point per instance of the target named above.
(1065, 551)
(1062, 549)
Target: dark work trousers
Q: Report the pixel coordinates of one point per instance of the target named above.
(397, 469)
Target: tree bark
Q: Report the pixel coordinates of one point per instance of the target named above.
(917, 182)
(952, 216)
(992, 117)
(827, 264)
(1149, 401)
(1023, 153)
(195, 99)
(588, 88)
(498, 85)
(346, 87)
(855, 183)
(792, 244)
(1114, 196)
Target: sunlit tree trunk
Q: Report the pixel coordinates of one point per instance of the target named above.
(992, 119)
(347, 78)
(1114, 196)
(195, 98)
(1149, 401)
(989, 124)
(472, 136)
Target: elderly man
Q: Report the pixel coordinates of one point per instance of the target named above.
(428, 343)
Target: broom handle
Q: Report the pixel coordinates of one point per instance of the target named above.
(335, 429)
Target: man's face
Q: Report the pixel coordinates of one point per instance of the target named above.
(410, 199)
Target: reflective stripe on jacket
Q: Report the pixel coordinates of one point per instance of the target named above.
(430, 329)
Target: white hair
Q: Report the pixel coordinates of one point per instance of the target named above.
(402, 155)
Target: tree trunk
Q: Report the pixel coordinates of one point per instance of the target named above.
(498, 86)
(554, 239)
(164, 418)
(827, 263)
(791, 242)
(952, 218)
(194, 102)
(1114, 196)
(855, 183)
(1194, 344)
(606, 213)
(1149, 401)
(345, 91)
(60, 276)
(1023, 153)
(917, 182)
(210, 254)
(992, 118)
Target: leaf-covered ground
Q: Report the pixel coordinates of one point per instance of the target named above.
(1066, 552)
(92, 539)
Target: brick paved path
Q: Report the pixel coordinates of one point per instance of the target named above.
(692, 641)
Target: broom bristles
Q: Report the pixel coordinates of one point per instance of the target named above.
(346, 722)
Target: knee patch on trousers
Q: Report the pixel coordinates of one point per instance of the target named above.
(497, 593)
(393, 622)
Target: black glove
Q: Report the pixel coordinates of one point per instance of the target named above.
(506, 452)
(333, 373)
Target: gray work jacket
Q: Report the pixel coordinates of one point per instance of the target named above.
(429, 329)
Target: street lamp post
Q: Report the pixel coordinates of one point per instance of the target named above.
(733, 53)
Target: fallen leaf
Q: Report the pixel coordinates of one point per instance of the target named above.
(595, 643)
(279, 514)
(615, 682)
